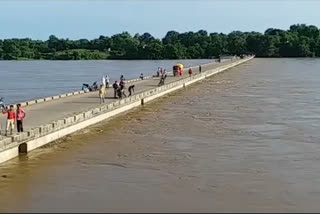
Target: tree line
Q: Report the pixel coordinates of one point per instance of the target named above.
(299, 40)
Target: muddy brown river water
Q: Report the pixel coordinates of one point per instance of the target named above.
(246, 140)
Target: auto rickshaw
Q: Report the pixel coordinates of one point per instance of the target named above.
(177, 69)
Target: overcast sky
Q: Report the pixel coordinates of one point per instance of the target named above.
(76, 19)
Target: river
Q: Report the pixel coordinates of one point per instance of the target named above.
(246, 140)
(25, 80)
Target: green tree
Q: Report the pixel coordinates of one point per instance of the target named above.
(237, 43)
(299, 40)
(11, 50)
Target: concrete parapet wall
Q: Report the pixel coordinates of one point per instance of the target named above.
(38, 142)
(39, 136)
(40, 100)
(55, 97)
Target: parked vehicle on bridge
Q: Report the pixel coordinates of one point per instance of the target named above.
(178, 69)
(93, 87)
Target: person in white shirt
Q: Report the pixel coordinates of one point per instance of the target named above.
(107, 81)
(103, 81)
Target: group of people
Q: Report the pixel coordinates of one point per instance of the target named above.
(13, 117)
(119, 88)
(105, 81)
(190, 71)
(161, 72)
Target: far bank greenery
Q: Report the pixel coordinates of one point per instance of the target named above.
(298, 41)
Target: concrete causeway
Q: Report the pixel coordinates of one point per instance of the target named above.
(51, 119)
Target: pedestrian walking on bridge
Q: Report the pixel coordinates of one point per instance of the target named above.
(102, 93)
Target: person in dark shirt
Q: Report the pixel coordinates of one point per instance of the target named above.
(123, 89)
(190, 72)
(131, 90)
(115, 88)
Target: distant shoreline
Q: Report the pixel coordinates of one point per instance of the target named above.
(299, 40)
(7, 60)
(261, 57)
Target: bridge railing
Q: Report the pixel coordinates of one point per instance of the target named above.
(56, 125)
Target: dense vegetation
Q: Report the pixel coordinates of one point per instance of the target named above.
(298, 41)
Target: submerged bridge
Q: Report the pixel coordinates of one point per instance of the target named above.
(51, 118)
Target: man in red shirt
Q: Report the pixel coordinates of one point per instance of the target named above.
(10, 119)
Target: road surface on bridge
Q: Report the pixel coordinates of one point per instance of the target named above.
(43, 113)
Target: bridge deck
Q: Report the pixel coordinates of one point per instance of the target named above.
(43, 113)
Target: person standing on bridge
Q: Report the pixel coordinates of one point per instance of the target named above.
(123, 89)
(158, 72)
(122, 84)
(107, 81)
(10, 119)
(21, 114)
(102, 93)
(103, 81)
(190, 72)
(115, 88)
(121, 78)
